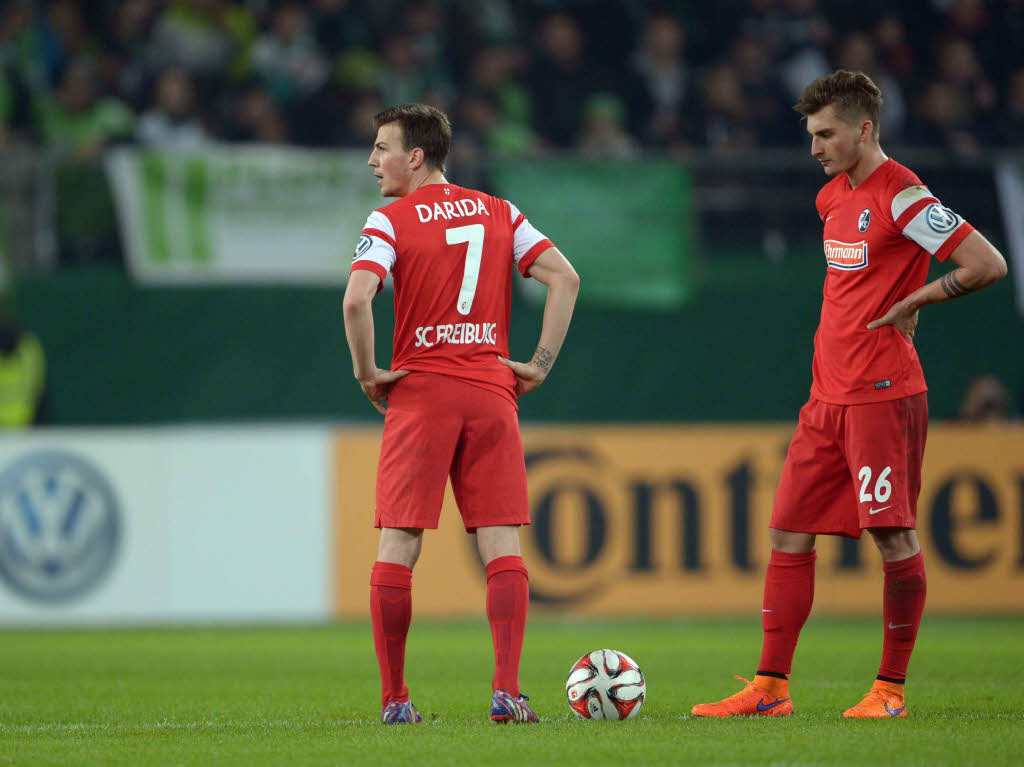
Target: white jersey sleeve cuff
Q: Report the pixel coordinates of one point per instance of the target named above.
(524, 235)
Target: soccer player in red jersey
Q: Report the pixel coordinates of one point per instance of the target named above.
(451, 393)
(854, 462)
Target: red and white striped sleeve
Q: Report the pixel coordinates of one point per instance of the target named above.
(527, 242)
(922, 218)
(375, 250)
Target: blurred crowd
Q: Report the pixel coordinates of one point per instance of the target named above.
(609, 78)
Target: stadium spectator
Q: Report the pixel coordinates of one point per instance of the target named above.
(1011, 120)
(769, 104)
(986, 400)
(857, 53)
(78, 121)
(560, 81)
(660, 95)
(970, 21)
(17, 45)
(795, 34)
(204, 37)
(729, 124)
(6, 111)
(124, 59)
(171, 123)
(287, 57)
(960, 69)
(338, 25)
(62, 37)
(401, 79)
(359, 130)
(540, 61)
(425, 22)
(604, 130)
(22, 374)
(943, 122)
(494, 71)
(486, 129)
(253, 116)
(895, 53)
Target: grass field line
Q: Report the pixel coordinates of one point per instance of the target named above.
(294, 724)
(169, 724)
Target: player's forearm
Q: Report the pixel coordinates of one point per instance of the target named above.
(359, 332)
(558, 308)
(954, 284)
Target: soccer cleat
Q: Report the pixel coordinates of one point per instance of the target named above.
(400, 712)
(885, 701)
(752, 700)
(505, 708)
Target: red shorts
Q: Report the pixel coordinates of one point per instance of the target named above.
(438, 427)
(851, 467)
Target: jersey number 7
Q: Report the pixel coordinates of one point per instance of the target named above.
(473, 235)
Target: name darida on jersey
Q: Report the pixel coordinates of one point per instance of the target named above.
(449, 210)
(846, 255)
(461, 333)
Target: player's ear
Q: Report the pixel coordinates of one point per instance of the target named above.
(867, 128)
(416, 159)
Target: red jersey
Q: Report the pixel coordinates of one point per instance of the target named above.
(451, 251)
(878, 239)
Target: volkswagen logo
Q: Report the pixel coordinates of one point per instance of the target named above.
(60, 526)
(941, 219)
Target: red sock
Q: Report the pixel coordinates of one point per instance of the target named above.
(508, 600)
(902, 606)
(391, 611)
(788, 594)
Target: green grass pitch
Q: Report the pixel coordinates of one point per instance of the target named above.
(309, 696)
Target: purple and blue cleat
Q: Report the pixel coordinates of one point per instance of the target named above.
(505, 708)
(400, 712)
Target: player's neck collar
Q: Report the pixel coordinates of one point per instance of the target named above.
(883, 159)
(434, 178)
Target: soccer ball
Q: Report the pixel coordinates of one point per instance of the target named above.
(606, 684)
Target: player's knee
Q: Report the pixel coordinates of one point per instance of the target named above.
(895, 543)
(400, 545)
(791, 542)
(498, 541)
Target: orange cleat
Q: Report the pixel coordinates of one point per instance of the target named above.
(885, 701)
(765, 696)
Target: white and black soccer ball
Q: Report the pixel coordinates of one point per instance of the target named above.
(606, 684)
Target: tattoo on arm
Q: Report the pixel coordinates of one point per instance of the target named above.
(543, 359)
(952, 286)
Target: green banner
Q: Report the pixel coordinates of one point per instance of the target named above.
(626, 227)
(241, 214)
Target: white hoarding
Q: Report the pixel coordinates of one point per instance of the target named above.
(165, 525)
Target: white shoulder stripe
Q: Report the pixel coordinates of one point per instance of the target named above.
(514, 210)
(378, 220)
(902, 201)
